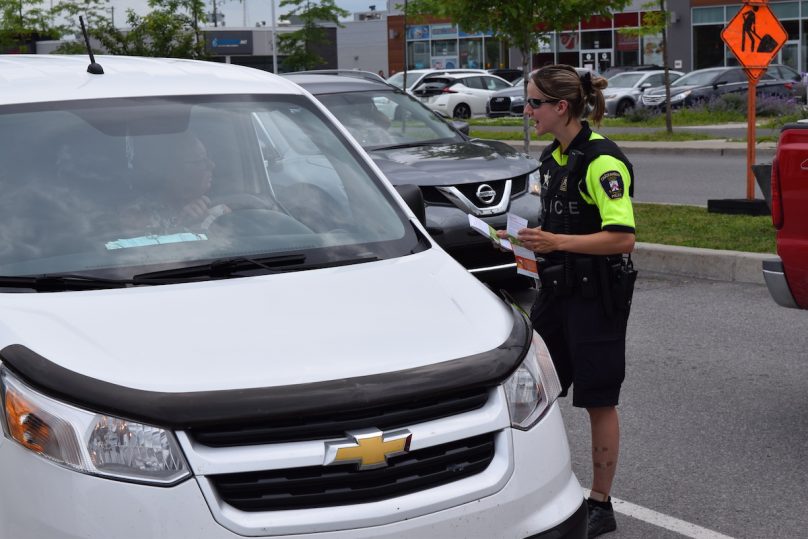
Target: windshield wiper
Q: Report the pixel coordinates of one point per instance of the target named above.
(224, 267)
(407, 145)
(56, 282)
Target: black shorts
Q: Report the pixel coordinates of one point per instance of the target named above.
(587, 346)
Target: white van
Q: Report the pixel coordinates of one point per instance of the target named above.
(218, 320)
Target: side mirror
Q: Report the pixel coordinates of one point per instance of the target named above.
(414, 199)
(644, 86)
(463, 127)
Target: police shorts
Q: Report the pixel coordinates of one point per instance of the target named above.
(587, 346)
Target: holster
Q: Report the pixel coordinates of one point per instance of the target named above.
(617, 277)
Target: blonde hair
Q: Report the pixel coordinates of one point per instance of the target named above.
(584, 93)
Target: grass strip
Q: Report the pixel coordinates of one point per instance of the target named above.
(693, 226)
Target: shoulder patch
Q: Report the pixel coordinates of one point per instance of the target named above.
(612, 183)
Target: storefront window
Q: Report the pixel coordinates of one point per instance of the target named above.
(471, 53)
(444, 54)
(708, 49)
(493, 56)
(626, 50)
(652, 49)
(785, 10)
(601, 39)
(702, 15)
(418, 55)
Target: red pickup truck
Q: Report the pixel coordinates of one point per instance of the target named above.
(787, 276)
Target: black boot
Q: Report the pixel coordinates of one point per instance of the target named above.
(601, 518)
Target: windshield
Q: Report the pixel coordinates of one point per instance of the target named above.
(377, 119)
(696, 78)
(112, 187)
(625, 80)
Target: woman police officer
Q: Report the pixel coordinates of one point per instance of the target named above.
(586, 224)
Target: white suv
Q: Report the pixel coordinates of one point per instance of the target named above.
(459, 95)
(219, 320)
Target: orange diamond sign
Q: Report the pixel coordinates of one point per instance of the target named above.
(754, 35)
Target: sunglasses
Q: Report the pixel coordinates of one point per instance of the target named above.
(536, 103)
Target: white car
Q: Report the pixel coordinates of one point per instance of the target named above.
(625, 89)
(416, 76)
(219, 320)
(459, 95)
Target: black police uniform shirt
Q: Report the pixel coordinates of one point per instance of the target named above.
(592, 200)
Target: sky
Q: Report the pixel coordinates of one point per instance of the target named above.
(256, 10)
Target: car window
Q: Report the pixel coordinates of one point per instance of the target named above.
(733, 76)
(655, 80)
(625, 80)
(113, 186)
(697, 78)
(398, 119)
(475, 83)
(495, 84)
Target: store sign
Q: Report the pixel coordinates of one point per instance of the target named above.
(442, 31)
(418, 32)
(229, 43)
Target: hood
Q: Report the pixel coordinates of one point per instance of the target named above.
(265, 331)
(453, 164)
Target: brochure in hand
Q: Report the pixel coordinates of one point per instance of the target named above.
(525, 259)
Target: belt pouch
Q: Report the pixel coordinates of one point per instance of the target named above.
(586, 277)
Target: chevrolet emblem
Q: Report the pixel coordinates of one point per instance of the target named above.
(369, 448)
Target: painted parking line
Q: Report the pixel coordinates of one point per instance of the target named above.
(663, 521)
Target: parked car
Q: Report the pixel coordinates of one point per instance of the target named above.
(301, 362)
(626, 88)
(511, 101)
(458, 176)
(509, 74)
(786, 275)
(614, 70)
(459, 95)
(705, 84)
(785, 72)
(416, 76)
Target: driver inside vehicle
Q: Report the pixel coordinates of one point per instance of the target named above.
(174, 175)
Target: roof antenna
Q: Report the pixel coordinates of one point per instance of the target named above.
(93, 68)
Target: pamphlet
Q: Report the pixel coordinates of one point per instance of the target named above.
(525, 258)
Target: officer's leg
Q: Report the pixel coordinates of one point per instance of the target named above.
(605, 447)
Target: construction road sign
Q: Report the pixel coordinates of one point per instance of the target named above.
(754, 35)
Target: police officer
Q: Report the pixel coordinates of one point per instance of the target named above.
(586, 225)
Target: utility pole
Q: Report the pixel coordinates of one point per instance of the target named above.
(274, 37)
(215, 16)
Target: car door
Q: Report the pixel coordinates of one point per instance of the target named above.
(475, 93)
(732, 82)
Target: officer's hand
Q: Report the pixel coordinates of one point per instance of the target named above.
(537, 240)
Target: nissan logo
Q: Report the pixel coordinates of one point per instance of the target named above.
(486, 193)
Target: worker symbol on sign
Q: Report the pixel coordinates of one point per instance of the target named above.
(749, 30)
(754, 35)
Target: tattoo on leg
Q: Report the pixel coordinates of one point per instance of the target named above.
(603, 465)
(600, 449)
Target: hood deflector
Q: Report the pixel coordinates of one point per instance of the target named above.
(206, 408)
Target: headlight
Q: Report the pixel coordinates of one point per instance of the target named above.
(679, 97)
(533, 387)
(534, 183)
(87, 442)
(609, 96)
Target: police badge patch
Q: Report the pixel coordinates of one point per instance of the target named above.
(612, 183)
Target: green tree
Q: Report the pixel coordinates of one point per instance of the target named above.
(24, 21)
(298, 45)
(519, 22)
(170, 29)
(655, 22)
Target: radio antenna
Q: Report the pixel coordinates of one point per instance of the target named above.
(93, 68)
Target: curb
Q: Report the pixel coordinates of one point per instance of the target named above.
(713, 264)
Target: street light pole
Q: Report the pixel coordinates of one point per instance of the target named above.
(274, 37)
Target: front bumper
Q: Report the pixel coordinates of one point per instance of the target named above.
(776, 282)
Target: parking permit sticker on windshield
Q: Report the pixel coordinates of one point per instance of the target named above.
(154, 239)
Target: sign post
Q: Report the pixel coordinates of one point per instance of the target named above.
(755, 36)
